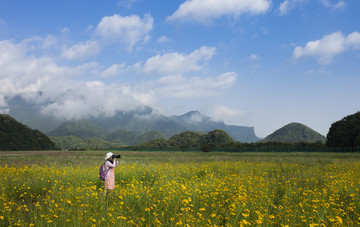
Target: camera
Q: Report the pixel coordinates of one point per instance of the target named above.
(116, 156)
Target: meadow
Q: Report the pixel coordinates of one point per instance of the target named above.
(62, 188)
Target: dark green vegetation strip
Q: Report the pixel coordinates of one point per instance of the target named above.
(95, 157)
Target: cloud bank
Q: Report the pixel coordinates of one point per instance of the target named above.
(63, 94)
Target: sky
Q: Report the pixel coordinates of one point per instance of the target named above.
(258, 63)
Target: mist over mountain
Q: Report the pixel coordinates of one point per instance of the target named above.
(138, 120)
(29, 113)
(195, 121)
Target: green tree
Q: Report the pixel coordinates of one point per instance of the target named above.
(218, 137)
(155, 143)
(185, 139)
(345, 133)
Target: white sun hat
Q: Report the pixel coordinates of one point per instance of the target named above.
(108, 155)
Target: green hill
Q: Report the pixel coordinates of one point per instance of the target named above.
(185, 139)
(16, 136)
(216, 137)
(151, 135)
(77, 143)
(123, 136)
(81, 128)
(295, 133)
(131, 138)
(65, 142)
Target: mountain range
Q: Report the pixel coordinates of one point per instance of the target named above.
(139, 121)
(144, 124)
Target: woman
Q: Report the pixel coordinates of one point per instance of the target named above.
(110, 163)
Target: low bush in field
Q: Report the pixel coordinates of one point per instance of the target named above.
(222, 193)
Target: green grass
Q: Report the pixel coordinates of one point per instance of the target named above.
(91, 157)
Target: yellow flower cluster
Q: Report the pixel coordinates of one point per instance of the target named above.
(215, 193)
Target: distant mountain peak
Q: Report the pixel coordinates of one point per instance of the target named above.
(294, 124)
(192, 112)
(193, 117)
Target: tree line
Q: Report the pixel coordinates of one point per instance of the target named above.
(343, 133)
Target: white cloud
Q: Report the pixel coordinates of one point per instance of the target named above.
(81, 50)
(172, 79)
(21, 73)
(195, 118)
(50, 42)
(163, 39)
(95, 99)
(65, 30)
(38, 44)
(223, 81)
(328, 47)
(195, 87)
(4, 109)
(288, 5)
(205, 11)
(127, 3)
(89, 28)
(143, 98)
(338, 5)
(127, 30)
(221, 112)
(113, 70)
(1, 21)
(177, 63)
(254, 57)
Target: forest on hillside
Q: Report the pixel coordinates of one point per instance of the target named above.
(16, 136)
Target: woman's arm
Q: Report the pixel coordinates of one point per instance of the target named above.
(111, 165)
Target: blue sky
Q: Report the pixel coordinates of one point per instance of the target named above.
(261, 63)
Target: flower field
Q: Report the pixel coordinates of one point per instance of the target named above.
(175, 193)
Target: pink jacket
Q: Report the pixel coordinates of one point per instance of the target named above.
(109, 165)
